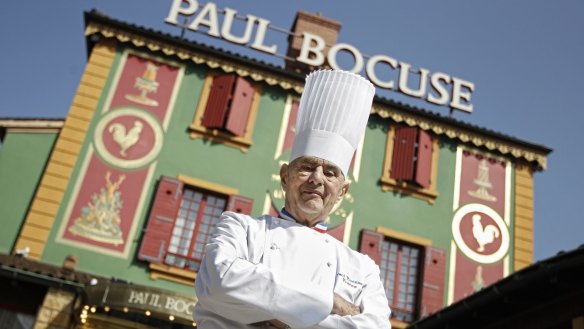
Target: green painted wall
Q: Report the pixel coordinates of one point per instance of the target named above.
(251, 173)
(23, 157)
(396, 211)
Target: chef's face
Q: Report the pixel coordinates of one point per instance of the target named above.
(312, 187)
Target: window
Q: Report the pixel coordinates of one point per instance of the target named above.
(411, 159)
(400, 268)
(183, 216)
(197, 218)
(227, 110)
(412, 272)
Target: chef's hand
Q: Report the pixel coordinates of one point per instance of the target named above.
(342, 307)
(278, 324)
(271, 324)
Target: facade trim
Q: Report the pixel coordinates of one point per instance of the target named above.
(403, 236)
(198, 58)
(465, 136)
(215, 187)
(523, 243)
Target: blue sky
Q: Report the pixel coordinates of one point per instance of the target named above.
(523, 56)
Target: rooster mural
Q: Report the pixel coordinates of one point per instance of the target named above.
(483, 235)
(126, 140)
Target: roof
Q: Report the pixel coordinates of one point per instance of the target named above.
(31, 123)
(50, 275)
(99, 25)
(555, 282)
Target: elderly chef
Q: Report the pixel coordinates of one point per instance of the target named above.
(284, 272)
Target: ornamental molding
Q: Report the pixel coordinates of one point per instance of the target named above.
(32, 124)
(464, 136)
(196, 57)
(287, 84)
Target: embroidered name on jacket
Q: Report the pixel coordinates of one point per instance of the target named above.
(350, 282)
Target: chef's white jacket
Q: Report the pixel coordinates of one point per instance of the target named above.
(259, 269)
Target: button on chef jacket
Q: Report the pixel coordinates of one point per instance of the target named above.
(259, 269)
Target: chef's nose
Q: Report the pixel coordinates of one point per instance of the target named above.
(317, 176)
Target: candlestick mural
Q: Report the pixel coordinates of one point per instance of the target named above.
(146, 84)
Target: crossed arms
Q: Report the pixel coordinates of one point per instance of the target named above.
(232, 286)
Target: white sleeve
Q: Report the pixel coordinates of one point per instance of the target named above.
(231, 286)
(374, 307)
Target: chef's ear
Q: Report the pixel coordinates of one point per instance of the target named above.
(344, 189)
(284, 175)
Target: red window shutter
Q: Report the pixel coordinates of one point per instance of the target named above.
(161, 220)
(402, 161)
(240, 107)
(371, 244)
(218, 101)
(337, 232)
(433, 286)
(240, 204)
(424, 159)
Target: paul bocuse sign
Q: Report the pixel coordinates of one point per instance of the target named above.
(135, 298)
(435, 87)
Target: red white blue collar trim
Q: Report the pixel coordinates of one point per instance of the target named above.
(321, 227)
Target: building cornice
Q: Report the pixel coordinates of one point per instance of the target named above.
(194, 56)
(464, 135)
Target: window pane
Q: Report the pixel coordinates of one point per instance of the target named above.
(399, 268)
(169, 259)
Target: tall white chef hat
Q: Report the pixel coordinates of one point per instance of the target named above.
(332, 116)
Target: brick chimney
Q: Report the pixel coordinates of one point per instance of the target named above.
(326, 28)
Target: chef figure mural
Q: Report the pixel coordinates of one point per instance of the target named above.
(480, 225)
(121, 156)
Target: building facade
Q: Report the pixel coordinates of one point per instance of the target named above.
(108, 211)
